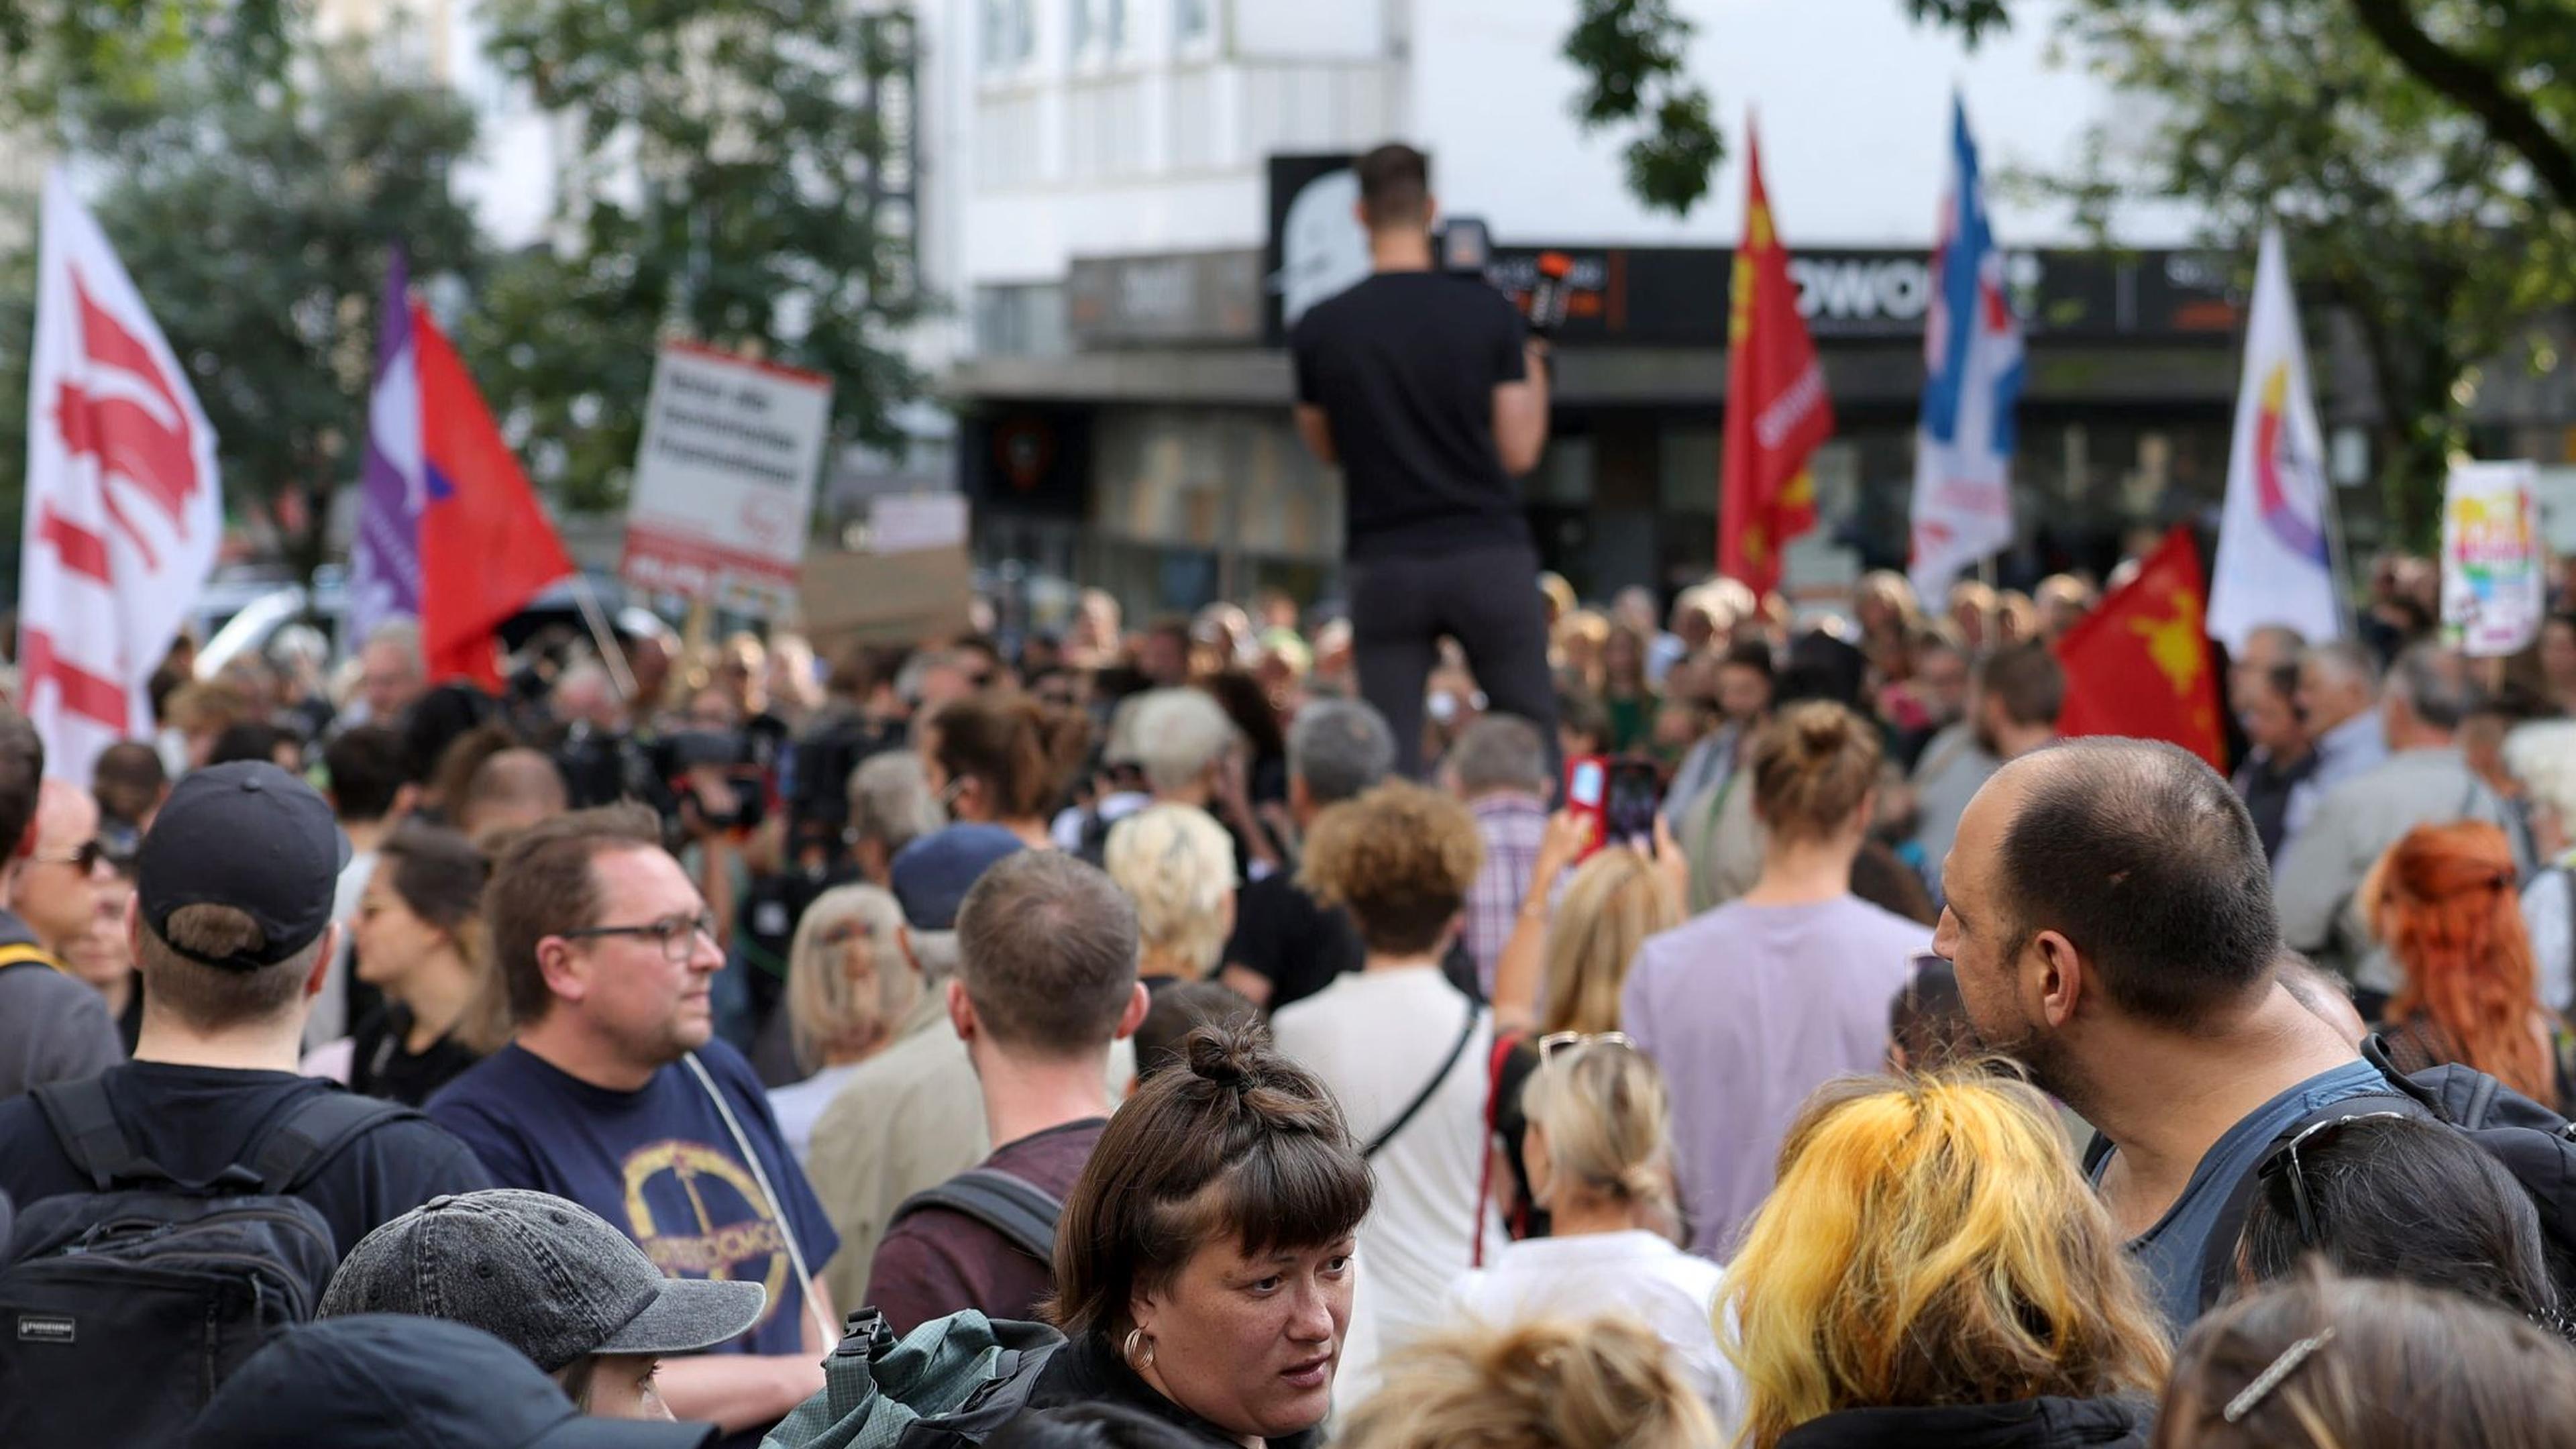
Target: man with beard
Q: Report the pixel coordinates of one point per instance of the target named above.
(2018, 691)
(2110, 921)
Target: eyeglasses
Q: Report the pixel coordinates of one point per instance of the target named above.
(85, 855)
(2284, 1162)
(678, 935)
(1556, 1043)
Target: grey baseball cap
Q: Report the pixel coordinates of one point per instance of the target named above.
(547, 1276)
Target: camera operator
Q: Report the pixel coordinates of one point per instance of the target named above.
(1429, 393)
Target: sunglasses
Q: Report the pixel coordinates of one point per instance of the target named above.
(1557, 1043)
(2284, 1163)
(85, 856)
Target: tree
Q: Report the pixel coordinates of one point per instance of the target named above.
(82, 69)
(728, 193)
(257, 228)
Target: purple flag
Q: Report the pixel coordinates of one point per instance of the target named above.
(384, 561)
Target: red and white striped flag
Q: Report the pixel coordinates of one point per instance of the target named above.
(124, 509)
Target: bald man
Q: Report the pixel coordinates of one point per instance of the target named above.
(2110, 921)
(511, 791)
(56, 891)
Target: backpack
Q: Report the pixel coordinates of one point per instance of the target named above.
(122, 1310)
(1023, 1213)
(951, 1383)
(2530, 1141)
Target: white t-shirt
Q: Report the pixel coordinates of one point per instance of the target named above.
(1634, 1273)
(1375, 1037)
(797, 1105)
(330, 1019)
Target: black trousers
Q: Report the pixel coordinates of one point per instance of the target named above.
(1488, 600)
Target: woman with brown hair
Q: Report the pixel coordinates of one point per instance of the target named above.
(1759, 1002)
(422, 942)
(2443, 899)
(1204, 1260)
(1003, 760)
(2347, 1363)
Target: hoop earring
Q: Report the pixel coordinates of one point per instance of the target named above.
(1129, 1349)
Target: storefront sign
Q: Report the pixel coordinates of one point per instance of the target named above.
(1183, 298)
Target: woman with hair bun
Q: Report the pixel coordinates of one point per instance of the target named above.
(1203, 1262)
(1606, 1384)
(1600, 1155)
(2443, 900)
(421, 941)
(1759, 1002)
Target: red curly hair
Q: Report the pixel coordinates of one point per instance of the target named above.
(2443, 900)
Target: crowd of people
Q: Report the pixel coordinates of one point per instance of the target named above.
(1906, 1074)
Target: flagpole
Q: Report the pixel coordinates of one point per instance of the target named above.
(611, 653)
(2336, 559)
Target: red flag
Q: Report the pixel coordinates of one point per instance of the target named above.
(2139, 664)
(1776, 408)
(485, 545)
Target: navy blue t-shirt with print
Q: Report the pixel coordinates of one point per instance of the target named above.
(658, 1163)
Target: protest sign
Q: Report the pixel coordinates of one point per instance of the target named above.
(2493, 592)
(724, 479)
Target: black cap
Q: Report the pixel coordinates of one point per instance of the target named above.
(250, 836)
(383, 1380)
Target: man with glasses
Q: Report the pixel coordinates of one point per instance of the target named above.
(55, 890)
(616, 1094)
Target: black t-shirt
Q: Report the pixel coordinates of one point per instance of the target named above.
(196, 1121)
(1283, 936)
(380, 1065)
(1405, 365)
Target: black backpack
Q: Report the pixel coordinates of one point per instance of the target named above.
(1022, 1212)
(122, 1310)
(2530, 1141)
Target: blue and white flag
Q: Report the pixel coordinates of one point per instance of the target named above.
(1972, 378)
(384, 559)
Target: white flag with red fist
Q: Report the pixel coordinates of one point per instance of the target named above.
(124, 510)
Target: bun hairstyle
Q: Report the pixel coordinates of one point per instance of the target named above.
(1608, 1383)
(1023, 752)
(1608, 1120)
(1812, 769)
(440, 876)
(1236, 1147)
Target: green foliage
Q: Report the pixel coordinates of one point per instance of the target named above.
(1631, 56)
(257, 229)
(755, 228)
(2392, 198)
(84, 69)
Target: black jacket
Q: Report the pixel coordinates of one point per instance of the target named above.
(1089, 1371)
(2032, 1424)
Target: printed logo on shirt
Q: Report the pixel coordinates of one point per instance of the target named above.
(47, 1328)
(700, 1214)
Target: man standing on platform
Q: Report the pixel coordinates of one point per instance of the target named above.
(1429, 393)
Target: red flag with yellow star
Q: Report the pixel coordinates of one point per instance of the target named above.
(2139, 664)
(1776, 408)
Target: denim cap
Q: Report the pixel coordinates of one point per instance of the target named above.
(931, 876)
(549, 1277)
(381, 1382)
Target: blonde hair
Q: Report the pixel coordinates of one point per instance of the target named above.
(1812, 769)
(1612, 904)
(1609, 1126)
(1606, 1384)
(1400, 857)
(1931, 1242)
(1177, 864)
(829, 1006)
